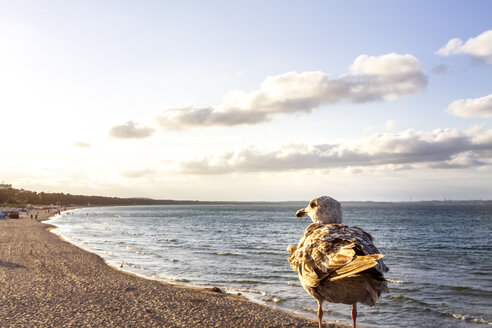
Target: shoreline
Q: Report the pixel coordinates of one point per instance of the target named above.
(47, 281)
(248, 296)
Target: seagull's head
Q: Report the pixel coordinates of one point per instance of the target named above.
(323, 209)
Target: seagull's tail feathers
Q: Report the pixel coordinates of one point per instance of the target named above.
(359, 264)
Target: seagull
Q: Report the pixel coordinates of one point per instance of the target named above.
(337, 263)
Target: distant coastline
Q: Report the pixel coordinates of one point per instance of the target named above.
(420, 203)
(21, 197)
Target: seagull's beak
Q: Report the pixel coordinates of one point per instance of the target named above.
(302, 212)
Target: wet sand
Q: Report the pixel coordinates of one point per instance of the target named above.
(47, 282)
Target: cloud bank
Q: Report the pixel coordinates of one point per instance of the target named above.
(371, 78)
(135, 174)
(129, 130)
(472, 107)
(479, 47)
(441, 148)
(82, 144)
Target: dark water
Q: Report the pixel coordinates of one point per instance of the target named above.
(439, 256)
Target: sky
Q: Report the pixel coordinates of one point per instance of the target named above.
(248, 100)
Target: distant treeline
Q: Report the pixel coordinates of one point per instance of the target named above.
(20, 197)
(24, 197)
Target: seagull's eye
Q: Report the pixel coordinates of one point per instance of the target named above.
(312, 205)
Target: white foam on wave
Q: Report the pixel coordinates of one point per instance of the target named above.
(224, 253)
(274, 299)
(397, 282)
(290, 283)
(468, 318)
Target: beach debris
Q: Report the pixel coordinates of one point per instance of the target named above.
(216, 290)
(337, 263)
(11, 214)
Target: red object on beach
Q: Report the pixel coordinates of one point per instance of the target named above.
(13, 215)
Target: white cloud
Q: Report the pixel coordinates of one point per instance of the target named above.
(479, 47)
(451, 48)
(371, 78)
(390, 125)
(441, 148)
(463, 160)
(242, 73)
(82, 144)
(472, 107)
(129, 130)
(385, 65)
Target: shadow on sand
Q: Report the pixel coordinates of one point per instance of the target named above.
(10, 265)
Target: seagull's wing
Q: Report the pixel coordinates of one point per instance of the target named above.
(332, 252)
(367, 246)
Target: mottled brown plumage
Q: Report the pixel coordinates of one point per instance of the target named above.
(337, 263)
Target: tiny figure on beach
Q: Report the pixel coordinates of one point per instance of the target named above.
(337, 263)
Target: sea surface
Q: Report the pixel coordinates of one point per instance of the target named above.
(439, 256)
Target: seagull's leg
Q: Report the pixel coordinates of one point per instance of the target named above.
(320, 314)
(354, 314)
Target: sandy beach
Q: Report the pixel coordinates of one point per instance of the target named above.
(47, 282)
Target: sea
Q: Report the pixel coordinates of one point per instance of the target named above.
(440, 256)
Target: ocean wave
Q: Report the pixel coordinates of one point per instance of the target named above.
(145, 253)
(249, 282)
(467, 318)
(266, 253)
(459, 288)
(133, 248)
(429, 308)
(251, 291)
(270, 277)
(274, 299)
(398, 282)
(309, 309)
(407, 290)
(128, 264)
(462, 290)
(176, 279)
(226, 254)
(407, 299)
(170, 240)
